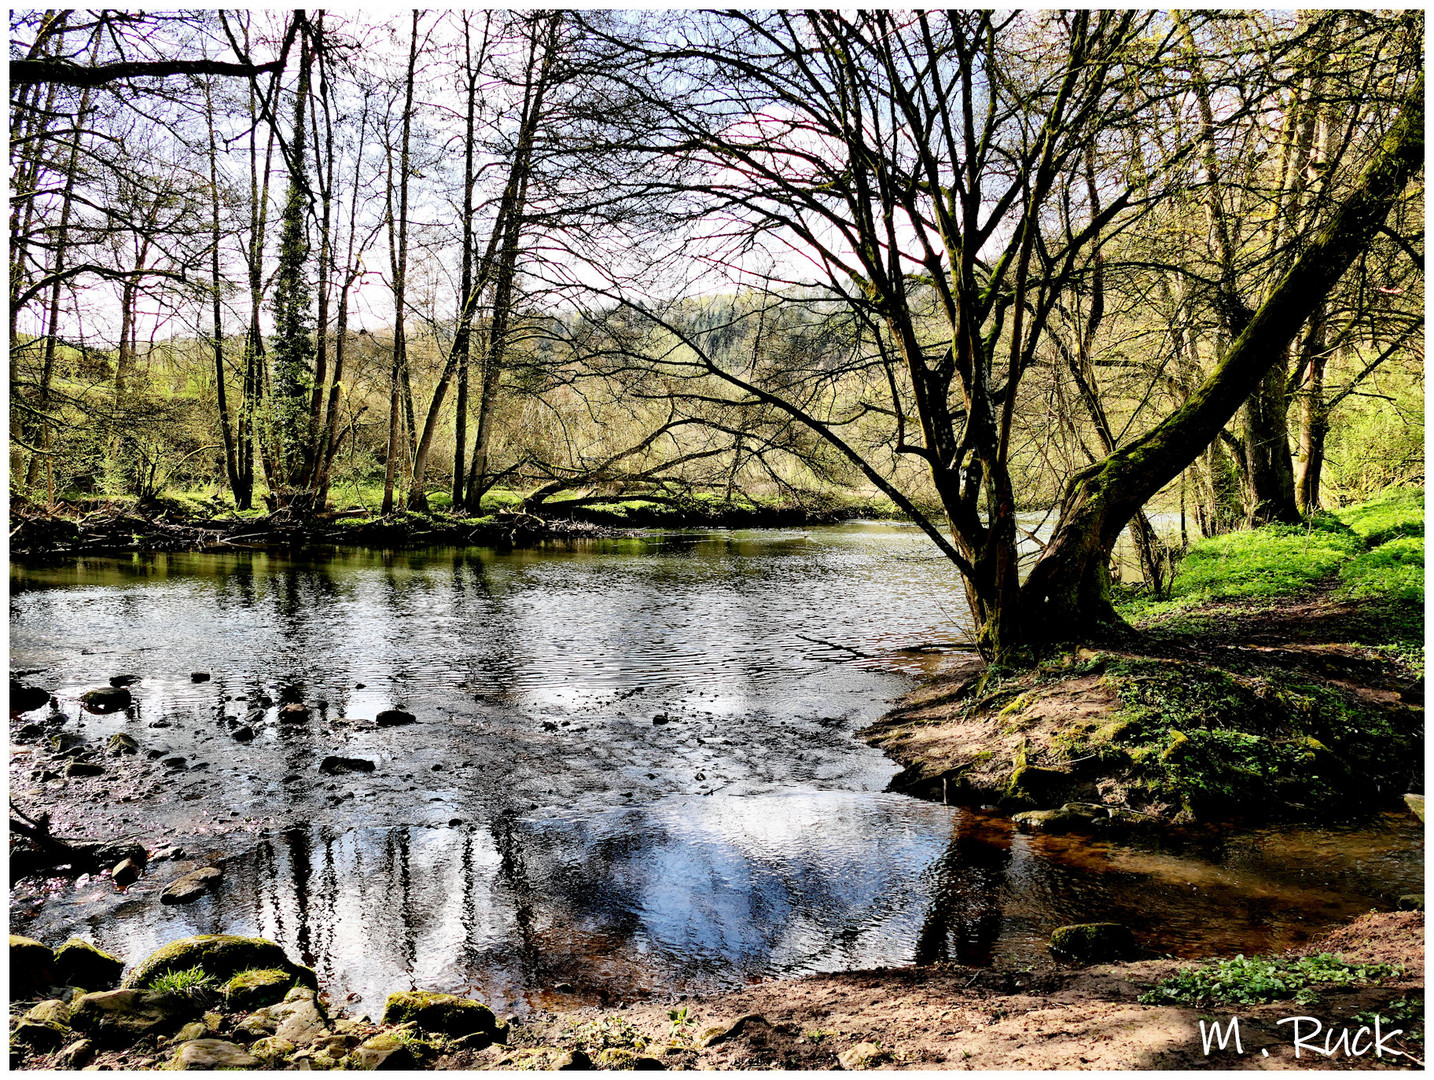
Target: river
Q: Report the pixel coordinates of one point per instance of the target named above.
(633, 772)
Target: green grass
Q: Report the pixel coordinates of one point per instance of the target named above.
(1392, 571)
(1393, 513)
(1243, 981)
(1274, 560)
(192, 983)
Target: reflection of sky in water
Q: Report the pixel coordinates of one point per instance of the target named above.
(586, 856)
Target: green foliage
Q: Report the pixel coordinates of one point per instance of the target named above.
(1393, 513)
(1392, 571)
(1242, 981)
(608, 1033)
(1273, 560)
(193, 983)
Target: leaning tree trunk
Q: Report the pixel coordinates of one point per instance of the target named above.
(1068, 591)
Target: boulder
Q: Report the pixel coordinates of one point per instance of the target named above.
(335, 765)
(123, 680)
(545, 1058)
(293, 713)
(191, 886)
(301, 1021)
(1032, 784)
(80, 769)
(125, 873)
(1415, 803)
(121, 1017)
(195, 1029)
(213, 1054)
(199, 676)
(384, 1052)
(120, 743)
(1411, 902)
(25, 699)
(394, 718)
(244, 733)
(253, 989)
(39, 1036)
(221, 956)
(271, 1049)
(106, 699)
(1051, 821)
(78, 963)
(32, 965)
(29, 733)
(51, 1011)
(1092, 943)
(440, 1014)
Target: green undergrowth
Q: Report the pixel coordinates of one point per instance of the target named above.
(1391, 514)
(1258, 979)
(1205, 742)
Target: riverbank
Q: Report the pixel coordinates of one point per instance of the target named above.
(1282, 680)
(111, 526)
(237, 1003)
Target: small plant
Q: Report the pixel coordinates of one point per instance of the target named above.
(192, 983)
(681, 1021)
(1393, 1011)
(608, 1033)
(819, 1035)
(1243, 981)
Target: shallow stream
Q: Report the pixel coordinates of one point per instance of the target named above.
(633, 771)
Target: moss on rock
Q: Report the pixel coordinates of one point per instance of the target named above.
(253, 989)
(1092, 943)
(440, 1014)
(78, 963)
(221, 956)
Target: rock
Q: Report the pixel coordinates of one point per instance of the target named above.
(213, 1054)
(25, 699)
(191, 886)
(169, 851)
(294, 713)
(175, 763)
(662, 718)
(50, 1011)
(221, 956)
(195, 1029)
(1087, 809)
(440, 1014)
(120, 743)
(32, 965)
(254, 716)
(1092, 943)
(545, 1058)
(117, 851)
(120, 1017)
(29, 733)
(105, 699)
(301, 1021)
(123, 680)
(77, 1055)
(244, 733)
(384, 1052)
(714, 1036)
(1411, 902)
(78, 963)
(394, 718)
(271, 1048)
(199, 676)
(1415, 803)
(250, 990)
(863, 1055)
(335, 765)
(77, 769)
(1052, 821)
(125, 873)
(1032, 784)
(42, 1037)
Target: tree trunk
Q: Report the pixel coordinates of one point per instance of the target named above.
(1067, 592)
(398, 246)
(1269, 476)
(231, 466)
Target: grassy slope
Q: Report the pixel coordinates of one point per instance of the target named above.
(1279, 678)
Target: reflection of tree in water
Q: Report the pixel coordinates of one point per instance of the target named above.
(965, 919)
